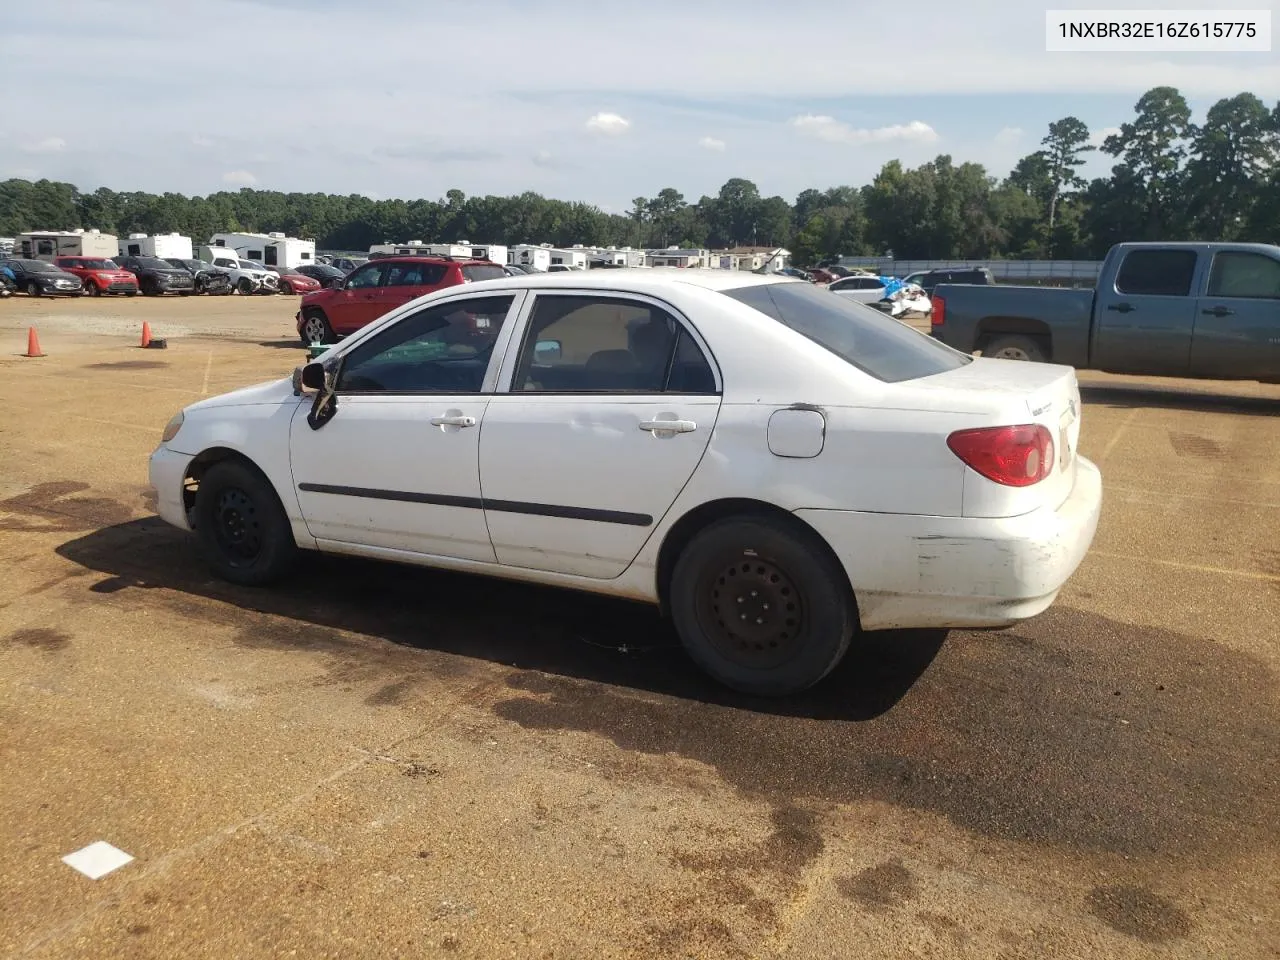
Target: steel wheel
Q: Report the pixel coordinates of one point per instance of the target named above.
(752, 613)
(238, 527)
(91, 289)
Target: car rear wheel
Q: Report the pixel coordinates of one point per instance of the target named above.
(762, 606)
(243, 529)
(316, 329)
(1014, 348)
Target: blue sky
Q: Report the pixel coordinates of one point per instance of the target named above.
(599, 103)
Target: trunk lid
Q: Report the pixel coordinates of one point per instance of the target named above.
(1009, 392)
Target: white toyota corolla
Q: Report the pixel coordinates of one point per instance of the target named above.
(777, 467)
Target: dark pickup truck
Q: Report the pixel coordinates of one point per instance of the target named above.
(1195, 310)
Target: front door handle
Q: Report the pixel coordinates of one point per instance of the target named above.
(458, 421)
(1120, 307)
(1218, 312)
(668, 426)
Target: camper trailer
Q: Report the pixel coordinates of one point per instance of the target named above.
(574, 258)
(528, 255)
(269, 249)
(410, 249)
(163, 246)
(51, 244)
(462, 250)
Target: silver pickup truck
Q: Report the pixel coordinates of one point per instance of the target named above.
(1195, 310)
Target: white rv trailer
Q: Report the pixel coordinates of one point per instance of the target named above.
(575, 258)
(528, 255)
(164, 246)
(460, 250)
(51, 244)
(269, 249)
(408, 249)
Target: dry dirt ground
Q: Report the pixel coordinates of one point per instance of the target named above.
(377, 761)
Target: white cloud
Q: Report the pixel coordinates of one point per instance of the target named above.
(200, 141)
(831, 130)
(711, 143)
(609, 123)
(242, 178)
(543, 158)
(1099, 135)
(1009, 136)
(47, 145)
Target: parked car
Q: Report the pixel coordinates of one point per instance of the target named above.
(1197, 310)
(636, 433)
(972, 276)
(859, 288)
(822, 275)
(295, 281)
(246, 276)
(40, 278)
(156, 276)
(99, 275)
(323, 272)
(204, 277)
(348, 264)
(382, 285)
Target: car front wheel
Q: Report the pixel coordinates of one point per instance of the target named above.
(316, 329)
(762, 606)
(243, 529)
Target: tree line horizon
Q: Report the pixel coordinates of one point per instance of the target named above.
(1171, 180)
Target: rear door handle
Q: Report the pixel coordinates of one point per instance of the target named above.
(1218, 312)
(668, 426)
(1120, 307)
(453, 421)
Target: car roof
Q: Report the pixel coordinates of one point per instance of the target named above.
(641, 279)
(431, 258)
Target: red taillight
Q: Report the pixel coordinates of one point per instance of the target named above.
(1014, 456)
(938, 315)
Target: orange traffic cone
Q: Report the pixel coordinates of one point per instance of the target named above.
(33, 344)
(146, 334)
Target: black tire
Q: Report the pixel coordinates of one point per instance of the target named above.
(805, 614)
(244, 287)
(201, 285)
(243, 530)
(91, 289)
(315, 323)
(149, 288)
(1014, 347)
(286, 288)
(33, 289)
(131, 293)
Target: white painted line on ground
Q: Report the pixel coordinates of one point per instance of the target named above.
(1195, 567)
(97, 859)
(208, 364)
(1115, 437)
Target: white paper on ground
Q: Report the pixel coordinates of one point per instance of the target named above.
(97, 859)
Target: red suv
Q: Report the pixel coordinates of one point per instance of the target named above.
(99, 275)
(380, 286)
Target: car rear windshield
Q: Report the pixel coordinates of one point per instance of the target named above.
(486, 272)
(862, 336)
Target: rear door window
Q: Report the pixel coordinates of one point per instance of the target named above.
(860, 335)
(413, 275)
(1249, 276)
(480, 272)
(1157, 273)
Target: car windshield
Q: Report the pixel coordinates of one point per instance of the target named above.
(154, 263)
(38, 266)
(251, 265)
(95, 265)
(286, 271)
(862, 336)
(487, 272)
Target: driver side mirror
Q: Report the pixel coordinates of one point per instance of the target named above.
(545, 351)
(313, 376)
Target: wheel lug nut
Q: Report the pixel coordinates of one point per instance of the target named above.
(765, 606)
(753, 593)
(742, 617)
(740, 599)
(759, 619)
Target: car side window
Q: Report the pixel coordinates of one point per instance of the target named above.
(413, 275)
(1157, 273)
(611, 345)
(366, 277)
(443, 349)
(1248, 276)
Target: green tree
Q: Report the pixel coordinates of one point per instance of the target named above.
(1064, 149)
(1151, 150)
(1231, 154)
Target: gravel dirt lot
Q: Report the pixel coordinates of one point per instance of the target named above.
(378, 761)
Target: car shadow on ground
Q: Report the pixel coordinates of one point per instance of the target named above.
(294, 344)
(568, 633)
(1132, 397)
(1072, 729)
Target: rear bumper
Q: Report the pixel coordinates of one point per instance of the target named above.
(911, 571)
(167, 472)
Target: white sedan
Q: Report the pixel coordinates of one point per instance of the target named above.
(861, 289)
(777, 468)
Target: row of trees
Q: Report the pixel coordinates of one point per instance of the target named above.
(1171, 179)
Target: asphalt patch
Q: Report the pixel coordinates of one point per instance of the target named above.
(128, 365)
(40, 638)
(1139, 913)
(881, 887)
